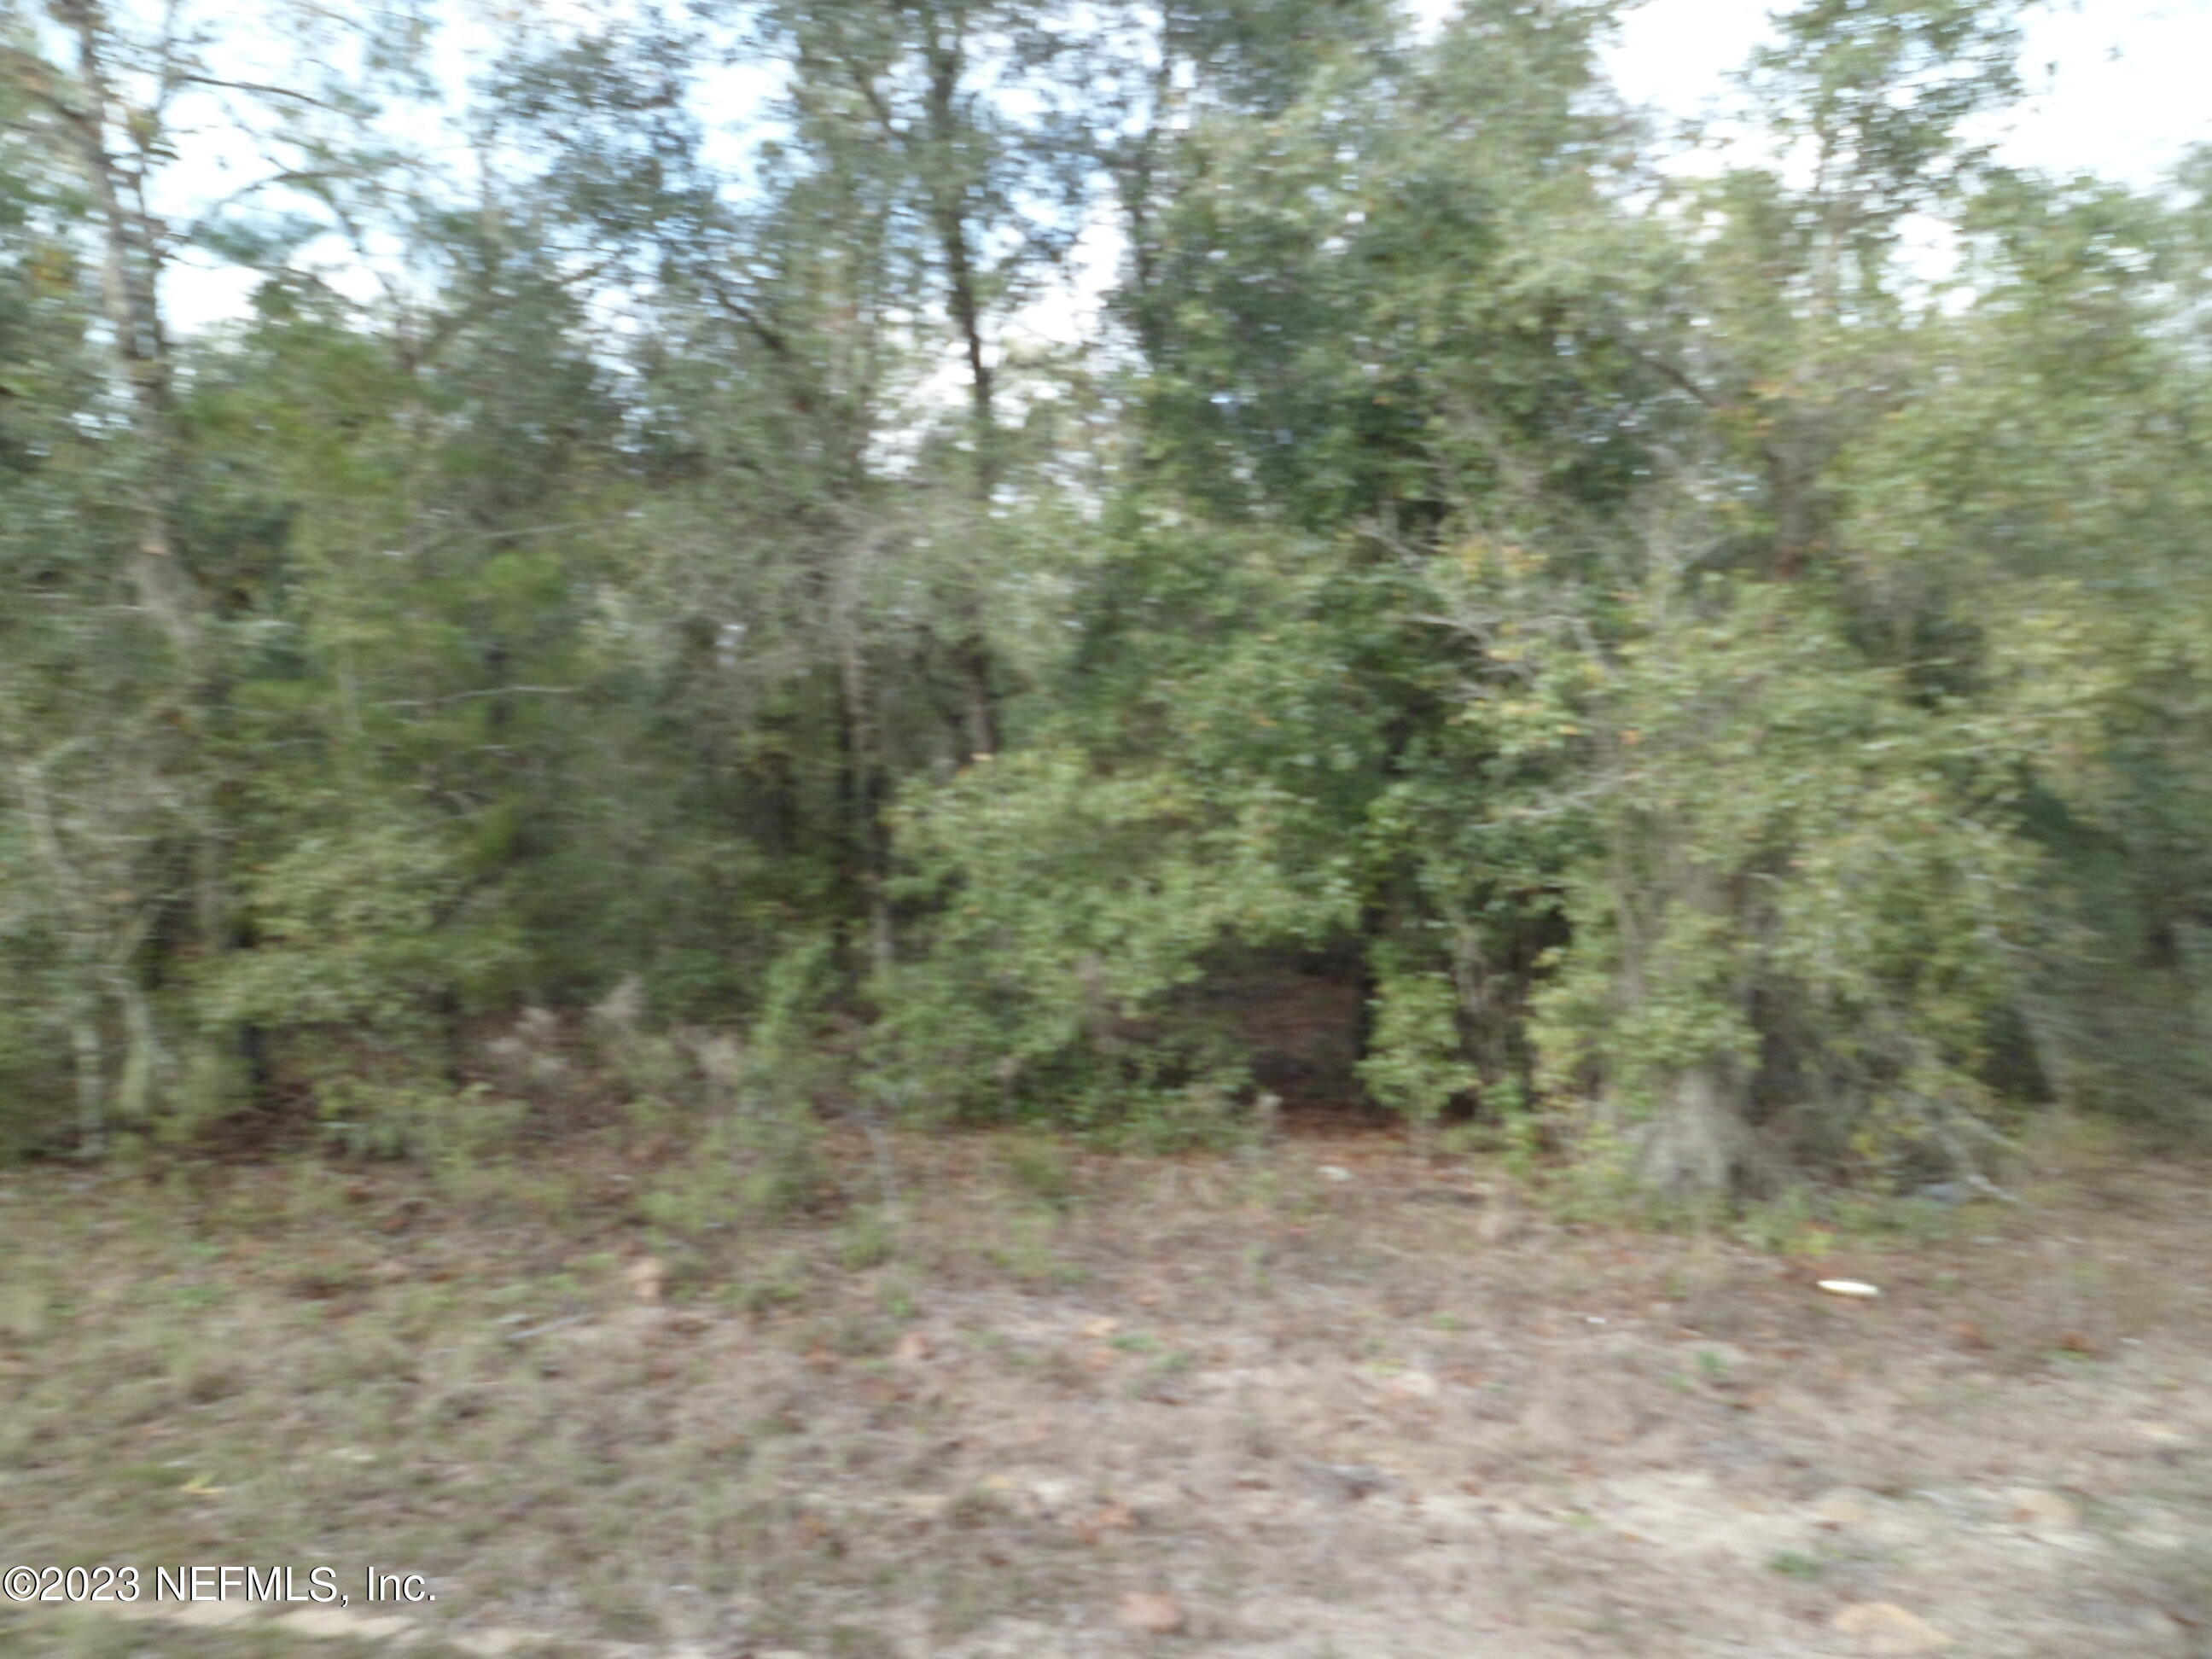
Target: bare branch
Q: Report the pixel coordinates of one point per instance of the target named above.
(258, 87)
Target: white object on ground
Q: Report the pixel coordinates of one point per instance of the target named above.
(1849, 1287)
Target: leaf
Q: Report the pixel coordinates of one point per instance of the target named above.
(1885, 1628)
(1150, 1613)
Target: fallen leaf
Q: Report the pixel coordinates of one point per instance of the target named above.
(1843, 1509)
(1348, 1482)
(1114, 1517)
(1150, 1613)
(1883, 1627)
(2033, 1506)
(646, 1277)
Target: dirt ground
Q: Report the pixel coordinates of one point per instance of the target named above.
(1320, 1399)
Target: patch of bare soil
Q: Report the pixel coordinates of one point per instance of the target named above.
(1322, 1401)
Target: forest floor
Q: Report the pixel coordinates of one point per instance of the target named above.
(1324, 1400)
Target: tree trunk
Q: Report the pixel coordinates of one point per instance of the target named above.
(1699, 1131)
(981, 702)
(130, 287)
(1698, 1137)
(116, 145)
(964, 299)
(862, 785)
(91, 1063)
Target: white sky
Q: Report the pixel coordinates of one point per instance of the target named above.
(2119, 88)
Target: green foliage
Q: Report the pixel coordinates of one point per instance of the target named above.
(1736, 697)
(1075, 889)
(749, 1167)
(1416, 1064)
(1037, 1166)
(1795, 1564)
(370, 938)
(1786, 870)
(757, 1154)
(452, 1132)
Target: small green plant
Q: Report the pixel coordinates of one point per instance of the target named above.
(1162, 1372)
(1464, 1140)
(452, 1131)
(1789, 1224)
(867, 1242)
(1205, 1113)
(1794, 1563)
(1028, 1253)
(781, 1284)
(755, 1163)
(1419, 1064)
(1036, 1165)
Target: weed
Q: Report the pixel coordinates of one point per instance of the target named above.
(486, 1393)
(867, 1242)
(751, 1165)
(1794, 1563)
(1037, 1166)
(782, 1286)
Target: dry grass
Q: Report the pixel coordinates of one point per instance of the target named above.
(1355, 1416)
